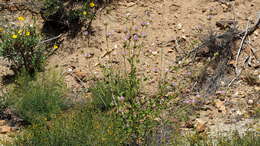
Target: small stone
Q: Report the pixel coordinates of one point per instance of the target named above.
(179, 26)
(189, 124)
(220, 105)
(89, 55)
(203, 10)
(209, 17)
(250, 101)
(5, 129)
(130, 4)
(201, 127)
(2, 122)
(79, 74)
(154, 52)
(118, 30)
(69, 70)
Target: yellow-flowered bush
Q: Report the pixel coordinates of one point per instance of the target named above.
(20, 46)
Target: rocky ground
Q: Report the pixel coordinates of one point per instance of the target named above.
(167, 29)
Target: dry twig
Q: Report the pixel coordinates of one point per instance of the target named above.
(50, 39)
(241, 46)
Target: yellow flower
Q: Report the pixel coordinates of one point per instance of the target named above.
(1, 29)
(85, 13)
(14, 36)
(55, 47)
(92, 4)
(21, 18)
(20, 31)
(27, 33)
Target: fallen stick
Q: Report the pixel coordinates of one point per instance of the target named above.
(50, 39)
(241, 45)
(238, 73)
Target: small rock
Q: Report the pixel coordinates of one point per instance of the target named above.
(154, 52)
(256, 33)
(130, 4)
(79, 74)
(220, 105)
(201, 126)
(69, 70)
(89, 55)
(2, 122)
(118, 30)
(179, 26)
(189, 124)
(222, 24)
(250, 101)
(203, 10)
(5, 129)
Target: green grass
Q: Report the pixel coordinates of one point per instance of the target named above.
(37, 99)
(134, 121)
(113, 90)
(234, 139)
(81, 127)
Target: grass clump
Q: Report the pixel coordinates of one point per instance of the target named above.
(81, 127)
(114, 89)
(35, 100)
(233, 139)
(248, 139)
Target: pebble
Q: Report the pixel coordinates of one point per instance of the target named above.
(179, 26)
(2, 122)
(5, 129)
(250, 101)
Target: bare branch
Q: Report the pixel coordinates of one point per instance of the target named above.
(50, 39)
(241, 44)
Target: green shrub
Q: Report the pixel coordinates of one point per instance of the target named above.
(35, 100)
(20, 45)
(67, 16)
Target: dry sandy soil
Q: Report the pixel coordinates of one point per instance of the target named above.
(160, 24)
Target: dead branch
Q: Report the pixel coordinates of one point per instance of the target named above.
(238, 73)
(241, 45)
(236, 36)
(50, 39)
(219, 50)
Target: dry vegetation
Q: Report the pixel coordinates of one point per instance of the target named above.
(109, 72)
